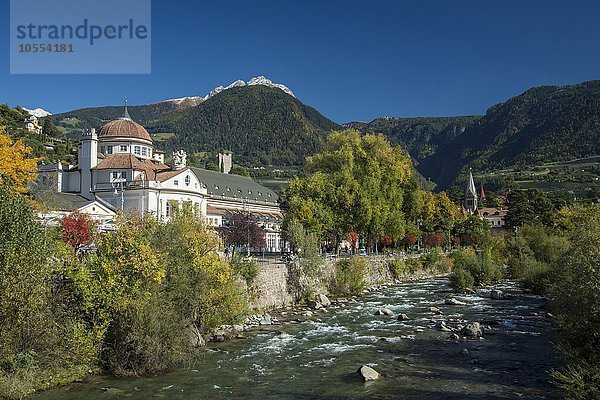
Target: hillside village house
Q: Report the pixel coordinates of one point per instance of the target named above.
(119, 168)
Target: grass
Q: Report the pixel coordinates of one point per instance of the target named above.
(162, 136)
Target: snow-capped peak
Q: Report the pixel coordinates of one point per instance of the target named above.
(190, 100)
(259, 80)
(38, 112)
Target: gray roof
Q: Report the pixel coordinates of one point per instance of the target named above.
(234, 186)
(62, 201)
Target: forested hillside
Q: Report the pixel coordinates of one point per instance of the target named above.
(259, 124)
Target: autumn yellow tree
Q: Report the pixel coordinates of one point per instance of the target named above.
(17, 168)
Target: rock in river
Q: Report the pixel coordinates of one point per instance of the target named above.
(454, 302)
(473, 329)
(368, 374)
(384, 311)
(403, 317)
(496, 294)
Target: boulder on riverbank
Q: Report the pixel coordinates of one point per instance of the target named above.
(324, 300)
(314, 304)
(368, 374)
(403, 317)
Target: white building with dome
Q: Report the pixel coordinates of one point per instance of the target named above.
(119, 168)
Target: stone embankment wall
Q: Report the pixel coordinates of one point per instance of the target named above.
(274, 285)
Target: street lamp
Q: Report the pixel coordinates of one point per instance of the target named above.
(118, 184)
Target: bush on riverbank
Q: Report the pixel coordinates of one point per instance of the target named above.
(461, 280)
(350, 277)
(479, 266)
(244, 267)
(436, 261)
(123, 307)
(563, 264)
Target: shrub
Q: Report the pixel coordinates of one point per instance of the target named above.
(397, 267)
(446, 265)
(432, 260)
(245, 267)
(461, 279)
(480, 266)
(413, 265)
(350, 275)
(535, 275)
(580, 381)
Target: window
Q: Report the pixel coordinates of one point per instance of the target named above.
(168, 209)
(123, 148)
(118, 175)
(136, 150)
(187, 180)
(175, 183)
(102, 149)
(144, 151)
(109, 149)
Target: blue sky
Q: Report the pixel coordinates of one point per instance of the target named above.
(352, 60)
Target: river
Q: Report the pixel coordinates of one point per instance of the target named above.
(317, 358)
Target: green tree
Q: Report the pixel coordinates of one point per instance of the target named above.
(23, 272)
(530, 206)
(354, 184)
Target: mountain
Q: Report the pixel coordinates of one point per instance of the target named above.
(421, 137)
(77, 121)
(258, 123)
(544, 124)
(38, 112)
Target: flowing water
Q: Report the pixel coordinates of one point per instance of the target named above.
(318, 357)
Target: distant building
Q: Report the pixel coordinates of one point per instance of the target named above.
(120, 168)
(32, 125)
(494, 215)
(225, 163)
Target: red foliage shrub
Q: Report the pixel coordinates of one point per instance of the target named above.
(76, 229)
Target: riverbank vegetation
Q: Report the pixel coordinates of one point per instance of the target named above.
(560, 259)
(126, 307)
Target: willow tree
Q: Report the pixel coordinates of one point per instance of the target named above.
(356, 183)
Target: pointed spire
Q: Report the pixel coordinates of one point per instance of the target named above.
(126, 113)
(482, 193)
(471, 189)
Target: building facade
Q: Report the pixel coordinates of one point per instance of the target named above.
(119, 168)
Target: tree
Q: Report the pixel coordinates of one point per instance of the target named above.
(435, 239)
(16, 167)
(243, 230)
(76, 229)
(24, 270)
(354, 184)
(473, 231)
(530, 206)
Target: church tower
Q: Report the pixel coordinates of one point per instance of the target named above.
(471, 195)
